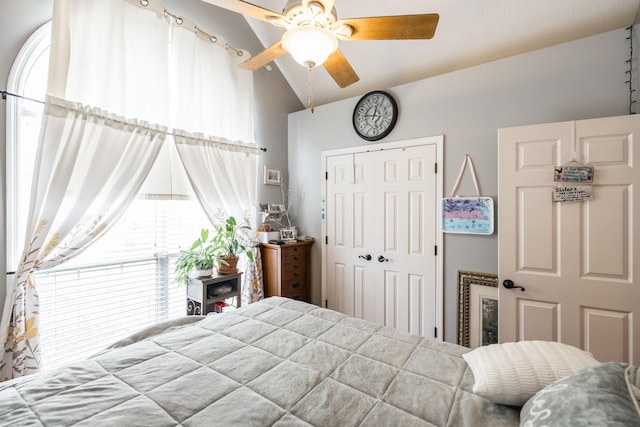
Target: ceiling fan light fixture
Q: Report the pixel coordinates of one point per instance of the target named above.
(309, 46)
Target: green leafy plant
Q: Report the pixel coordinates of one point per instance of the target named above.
(230, 237)
(202, 255)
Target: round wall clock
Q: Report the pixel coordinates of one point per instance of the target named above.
(375, 115)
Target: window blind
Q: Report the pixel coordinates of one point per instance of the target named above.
(119, 285)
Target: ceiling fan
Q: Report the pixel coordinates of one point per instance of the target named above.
(313, 31)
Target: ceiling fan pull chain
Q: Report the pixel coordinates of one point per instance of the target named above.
(310, 104)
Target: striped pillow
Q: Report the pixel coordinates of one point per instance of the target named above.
(510, 373)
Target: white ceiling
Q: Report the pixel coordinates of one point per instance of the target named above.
(470, 32)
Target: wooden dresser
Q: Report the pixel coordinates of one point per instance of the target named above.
(286, 269)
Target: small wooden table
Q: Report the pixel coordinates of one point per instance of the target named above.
(204, 292)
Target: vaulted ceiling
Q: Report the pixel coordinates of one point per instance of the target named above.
(469, 32)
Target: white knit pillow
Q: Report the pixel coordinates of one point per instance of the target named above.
(510, 373)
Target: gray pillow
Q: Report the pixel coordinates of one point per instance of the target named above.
(595, 396)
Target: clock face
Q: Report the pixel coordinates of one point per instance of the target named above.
(375, 115)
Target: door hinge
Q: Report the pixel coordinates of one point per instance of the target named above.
(326, 240)
(326, 303)
(435, 252)
(326, 176)
(435, 332)
(435, 168)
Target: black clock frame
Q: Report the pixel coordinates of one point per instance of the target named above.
(394, 106)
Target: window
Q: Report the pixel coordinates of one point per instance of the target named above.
(122, 283)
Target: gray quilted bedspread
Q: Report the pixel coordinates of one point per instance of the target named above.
(277, 362)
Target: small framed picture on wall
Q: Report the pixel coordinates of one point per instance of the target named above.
(272, 175)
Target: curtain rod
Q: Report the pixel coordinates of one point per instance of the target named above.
(4, 95)
(159, 9)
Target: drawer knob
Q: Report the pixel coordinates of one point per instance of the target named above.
(296, 284)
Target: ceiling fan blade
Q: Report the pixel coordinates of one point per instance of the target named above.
(246, 9)
(340, 69)
(401, 27)
(264, 57)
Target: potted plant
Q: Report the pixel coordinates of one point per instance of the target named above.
(229, 239)
(201, 257)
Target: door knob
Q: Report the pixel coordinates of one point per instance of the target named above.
(367, 257)
(383, 259)
(510, 285)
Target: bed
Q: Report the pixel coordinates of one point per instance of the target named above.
(276, 362)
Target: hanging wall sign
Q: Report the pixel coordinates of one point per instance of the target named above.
(573, 174)
(572, 193)
(471, 215)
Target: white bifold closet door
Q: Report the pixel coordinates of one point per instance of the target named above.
(380, 261)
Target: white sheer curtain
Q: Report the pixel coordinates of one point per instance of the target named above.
(223, 177)
(221, 166)
(111, 72)
(89, 167)
(213, 96)
(112, 55)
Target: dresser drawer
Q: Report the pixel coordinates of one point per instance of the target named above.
(294, 272)
(294, 255)
(295, 289)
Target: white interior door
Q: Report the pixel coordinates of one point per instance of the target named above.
(379, 260)
(575, 259)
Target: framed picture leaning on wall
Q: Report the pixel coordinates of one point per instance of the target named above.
(477, 308)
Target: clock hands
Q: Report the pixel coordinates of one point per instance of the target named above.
(376, 114)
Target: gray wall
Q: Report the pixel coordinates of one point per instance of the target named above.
(577, 80)
(274, 98)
